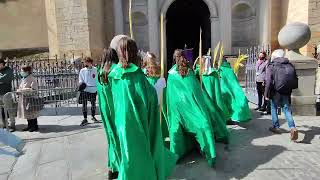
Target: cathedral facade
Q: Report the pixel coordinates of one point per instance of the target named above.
(86, 26)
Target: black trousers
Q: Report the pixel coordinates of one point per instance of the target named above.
(91, 97)
(260, 90)
(262, 103)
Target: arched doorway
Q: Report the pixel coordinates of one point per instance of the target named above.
(183, 21)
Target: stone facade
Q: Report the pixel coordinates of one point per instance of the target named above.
(306, 11)
(23, 24)
(86, 26)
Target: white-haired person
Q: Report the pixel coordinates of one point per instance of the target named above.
(283, 74)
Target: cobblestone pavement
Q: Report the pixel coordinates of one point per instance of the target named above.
(64, 151)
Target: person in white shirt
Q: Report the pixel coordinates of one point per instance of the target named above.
(87, 79)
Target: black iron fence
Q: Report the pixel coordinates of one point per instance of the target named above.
(57, 79)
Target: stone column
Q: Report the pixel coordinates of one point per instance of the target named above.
(265, 22)
(215, 32)
(154, 25)
(118, 16)
(226, 25)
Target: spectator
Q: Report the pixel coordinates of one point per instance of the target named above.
(27, 99)
(282, 73)
(261, 67)
(6, 78)
(87, 79)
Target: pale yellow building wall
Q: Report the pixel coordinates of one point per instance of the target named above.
(52, 27)
(97, 35)
(306, 11)
(23, 24)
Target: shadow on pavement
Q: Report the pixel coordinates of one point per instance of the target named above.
(61, 111)
(61, 128)
(236, 160)
(309, 134)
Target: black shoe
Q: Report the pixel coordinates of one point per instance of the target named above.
(26, 129)
(12, 129)
(95, 120)
(33, 129)
(262, 109)
(84, 122)
(112, 175)
(28, 126)
(257, 108)
(230, 122)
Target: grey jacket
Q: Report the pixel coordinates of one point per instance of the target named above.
(261, 68)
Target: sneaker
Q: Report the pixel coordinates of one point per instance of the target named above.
(95, 120)
(112, 175)
(275, 130)
(84, 122)
(294, 134)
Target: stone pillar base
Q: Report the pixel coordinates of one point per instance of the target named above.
(304, 105)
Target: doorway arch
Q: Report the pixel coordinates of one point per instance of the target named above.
(208, 20)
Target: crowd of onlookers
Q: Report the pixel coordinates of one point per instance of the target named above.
(27, 106)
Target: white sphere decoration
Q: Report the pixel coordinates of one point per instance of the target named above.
(294, 36)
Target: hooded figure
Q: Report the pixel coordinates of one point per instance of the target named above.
(133, 115)
(233, 95)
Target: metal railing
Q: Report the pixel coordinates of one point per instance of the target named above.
(57, 80)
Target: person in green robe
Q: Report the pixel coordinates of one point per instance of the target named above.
(188, 115)
(233, 95)
(152, 70)
(212, 86)
(109, 60)
(133, 107)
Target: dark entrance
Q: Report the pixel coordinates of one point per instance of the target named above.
(184, 19)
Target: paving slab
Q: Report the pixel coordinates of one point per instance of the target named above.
(57, 170)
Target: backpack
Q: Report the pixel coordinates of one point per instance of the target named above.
(284, 78)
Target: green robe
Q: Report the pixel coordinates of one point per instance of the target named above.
(107, 115)
(164, 125)
(212, 85)
(233, 95)
(188, 116)
(212, 96)
(133, 107)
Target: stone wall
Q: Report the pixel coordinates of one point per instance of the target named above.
(96, 23)
(78, 27)
(23, 24)
(314, 22)
(306, 11)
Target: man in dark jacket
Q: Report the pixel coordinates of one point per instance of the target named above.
(277, 98)
(6, 78)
